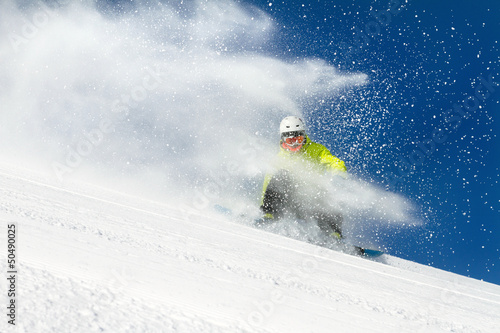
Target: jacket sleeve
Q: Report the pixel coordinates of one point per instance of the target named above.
(331, 163)
(267, 179)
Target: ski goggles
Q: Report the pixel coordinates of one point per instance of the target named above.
(293, 138)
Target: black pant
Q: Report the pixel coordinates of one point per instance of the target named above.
(283, 198)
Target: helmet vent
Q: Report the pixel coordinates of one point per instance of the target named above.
(291, 123)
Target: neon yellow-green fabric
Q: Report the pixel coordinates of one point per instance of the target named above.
(312, 157)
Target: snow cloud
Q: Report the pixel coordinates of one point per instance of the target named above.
(183, 89)
(172, 96)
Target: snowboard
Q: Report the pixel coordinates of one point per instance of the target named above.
(350, 248)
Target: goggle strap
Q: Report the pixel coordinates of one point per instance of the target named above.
(292, 134)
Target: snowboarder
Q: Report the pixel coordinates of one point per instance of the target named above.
(295, 188)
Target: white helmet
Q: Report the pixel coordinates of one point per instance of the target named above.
(292, 124)
(293, 134)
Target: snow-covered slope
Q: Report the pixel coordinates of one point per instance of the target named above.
(90, 259)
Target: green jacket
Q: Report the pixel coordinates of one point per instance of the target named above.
(312, 157)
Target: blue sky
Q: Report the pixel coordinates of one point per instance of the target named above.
(415, 136)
